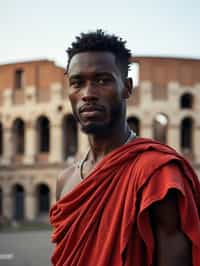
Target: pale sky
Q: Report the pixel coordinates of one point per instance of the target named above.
(44, 29)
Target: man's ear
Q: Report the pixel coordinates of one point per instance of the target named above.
(128, 87)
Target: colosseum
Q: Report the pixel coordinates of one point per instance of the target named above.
(39, 136)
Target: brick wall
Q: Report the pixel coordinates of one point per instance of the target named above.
(163, 70)
(41, 74)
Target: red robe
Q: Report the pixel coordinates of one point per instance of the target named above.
(104, 221)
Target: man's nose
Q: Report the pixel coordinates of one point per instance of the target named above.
(90, 93)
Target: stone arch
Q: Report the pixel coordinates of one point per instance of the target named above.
(186, 135)
(134, 124)
(186, 101)
(43, 198)
(1, 139)
(18, 131)
(70, 136)
(18, 196)
(43, 131)
(160, 127)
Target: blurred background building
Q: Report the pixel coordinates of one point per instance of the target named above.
(39, 136)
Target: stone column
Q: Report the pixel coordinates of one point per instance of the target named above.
(56, 152)
(30, 95)
(174, 137)
(56, 92)
(8, 97)
(8, 145)
(196, 141)
(7, 202)
(145, 94)
(196, 144)
(30, 143)
(30, 205)
(174, 91)
(146, 127)
(146, 131)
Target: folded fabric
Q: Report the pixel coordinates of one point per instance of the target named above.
(104, 221)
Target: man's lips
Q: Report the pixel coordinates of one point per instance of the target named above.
(91, 109)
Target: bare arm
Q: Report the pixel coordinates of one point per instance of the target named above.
(59, 185)
(64, 179)
(61, 181)
(172, 247)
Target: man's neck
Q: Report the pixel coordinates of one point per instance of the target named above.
(102, 145)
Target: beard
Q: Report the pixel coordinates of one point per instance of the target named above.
(103, 128)
(98, 129)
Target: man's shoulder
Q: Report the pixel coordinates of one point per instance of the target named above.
(64, 177)
(151, 151)
(68, 171)
(152, 157)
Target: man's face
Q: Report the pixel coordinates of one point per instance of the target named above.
(96, 91)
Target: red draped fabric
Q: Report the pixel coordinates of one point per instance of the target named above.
(104, 221)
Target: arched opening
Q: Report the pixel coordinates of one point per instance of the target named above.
(1, 202)
(186, 101)
(160, 127)
(134, 124)
(1, 139)
(134, 72)
(70, 136)
(18, 202)
(43, 128)
(18, 136)
(43, 196)
(186, 135)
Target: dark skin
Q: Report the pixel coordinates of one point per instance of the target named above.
(172, 247)
(96, 86)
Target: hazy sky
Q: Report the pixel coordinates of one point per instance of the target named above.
(44, 29)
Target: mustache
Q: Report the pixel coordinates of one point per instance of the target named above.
(91, 107)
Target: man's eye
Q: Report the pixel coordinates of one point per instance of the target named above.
(102, 81)
(75, 83)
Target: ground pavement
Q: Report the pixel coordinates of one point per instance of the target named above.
(32, 248)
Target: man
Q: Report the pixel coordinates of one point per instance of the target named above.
(130, 201)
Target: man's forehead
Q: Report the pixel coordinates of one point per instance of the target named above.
(92, 61)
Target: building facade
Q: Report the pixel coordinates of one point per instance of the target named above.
(39, 136)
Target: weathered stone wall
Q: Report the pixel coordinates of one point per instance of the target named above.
(162, 83)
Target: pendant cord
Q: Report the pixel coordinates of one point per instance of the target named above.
(131, 135)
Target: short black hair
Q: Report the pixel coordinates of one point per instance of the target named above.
(99, 41)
